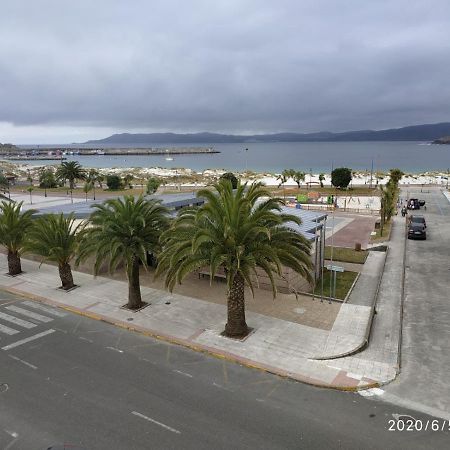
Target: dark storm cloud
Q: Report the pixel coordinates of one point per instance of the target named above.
(228, 65)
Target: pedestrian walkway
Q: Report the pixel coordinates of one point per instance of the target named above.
(380, 359)
(275, 345)
(357, 313)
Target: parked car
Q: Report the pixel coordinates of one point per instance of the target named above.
(416, 231)
(413, 203)
(417, 219)
(422, 203)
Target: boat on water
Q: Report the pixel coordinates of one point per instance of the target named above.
(168, 158)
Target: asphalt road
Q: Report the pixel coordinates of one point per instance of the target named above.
(70, 379)
(425, 357)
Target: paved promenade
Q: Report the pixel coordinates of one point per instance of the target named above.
(276, 345)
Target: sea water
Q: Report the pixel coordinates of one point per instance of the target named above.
(274, 157)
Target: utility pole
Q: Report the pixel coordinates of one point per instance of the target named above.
(371, 174)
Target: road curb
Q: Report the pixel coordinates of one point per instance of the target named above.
(192, 346)
(364, 342)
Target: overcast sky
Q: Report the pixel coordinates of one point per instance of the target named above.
(75, 70)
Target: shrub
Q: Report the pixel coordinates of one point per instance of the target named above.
(232, 177)
(341, 177)
(153, 184)
(113, 182)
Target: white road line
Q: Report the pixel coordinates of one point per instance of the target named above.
(184, 373)
(47, 309)
(17, 321)
(115, 349)
(173, 430)
(31, 314)
(28, 339)
(23, 362)
(85, 339)
(7, 330)
(221, 387)
(371, 392)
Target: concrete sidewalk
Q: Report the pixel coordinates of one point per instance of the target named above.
(275, 345)
(380, 358)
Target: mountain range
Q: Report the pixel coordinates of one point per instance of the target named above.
(427, 132)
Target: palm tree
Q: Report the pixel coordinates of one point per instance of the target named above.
(396, 175)
(321, 179)
(87, 188)
(70, 171)
(284, 177)
(127, 179)
(55, 238)
(14, 227)
(92, 176)
(47, 180)
(298, 177)
(4, 184)
(123, 231)
(237, 231)
(30, 189)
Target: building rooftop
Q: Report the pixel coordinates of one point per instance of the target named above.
(311, 220)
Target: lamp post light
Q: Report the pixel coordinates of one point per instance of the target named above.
(246, 160)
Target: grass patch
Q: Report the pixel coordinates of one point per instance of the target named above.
(346, 255)
(326, 190)
(386, 233)
(344, 281)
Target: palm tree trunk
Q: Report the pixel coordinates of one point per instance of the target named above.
(134, 289)
(236, 325)
(65, 273)
(14, 265)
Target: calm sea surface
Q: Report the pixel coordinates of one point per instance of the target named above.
(274, 157)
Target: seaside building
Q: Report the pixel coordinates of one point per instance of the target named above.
(313, 228)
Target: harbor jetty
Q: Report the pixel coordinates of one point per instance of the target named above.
(43, 153)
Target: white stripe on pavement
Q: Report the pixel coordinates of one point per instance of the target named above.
(17, 321)
(31, 314)
(28, 339)
(47, 309)
(7, 330)
(23, 362)
(173, 430)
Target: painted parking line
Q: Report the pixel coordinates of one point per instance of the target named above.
(30, 314)
(47, 309)
(7, 330)
(32, 366)
(173, 430)
(17, 321)
(28, 339)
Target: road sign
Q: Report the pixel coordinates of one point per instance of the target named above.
(334, 268)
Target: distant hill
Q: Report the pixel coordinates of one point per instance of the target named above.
(429, 132)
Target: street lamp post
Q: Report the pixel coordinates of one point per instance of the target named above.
(246, 160)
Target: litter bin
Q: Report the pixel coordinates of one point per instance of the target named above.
(358, 246)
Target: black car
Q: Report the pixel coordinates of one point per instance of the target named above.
(416, 231)
(413, 219)
(413, 203)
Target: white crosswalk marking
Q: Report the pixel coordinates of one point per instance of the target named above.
(30, 314)
(47, 309)
(7, 330)
(17, 321)
(28, 339)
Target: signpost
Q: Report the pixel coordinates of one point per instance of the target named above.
(334, 269)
